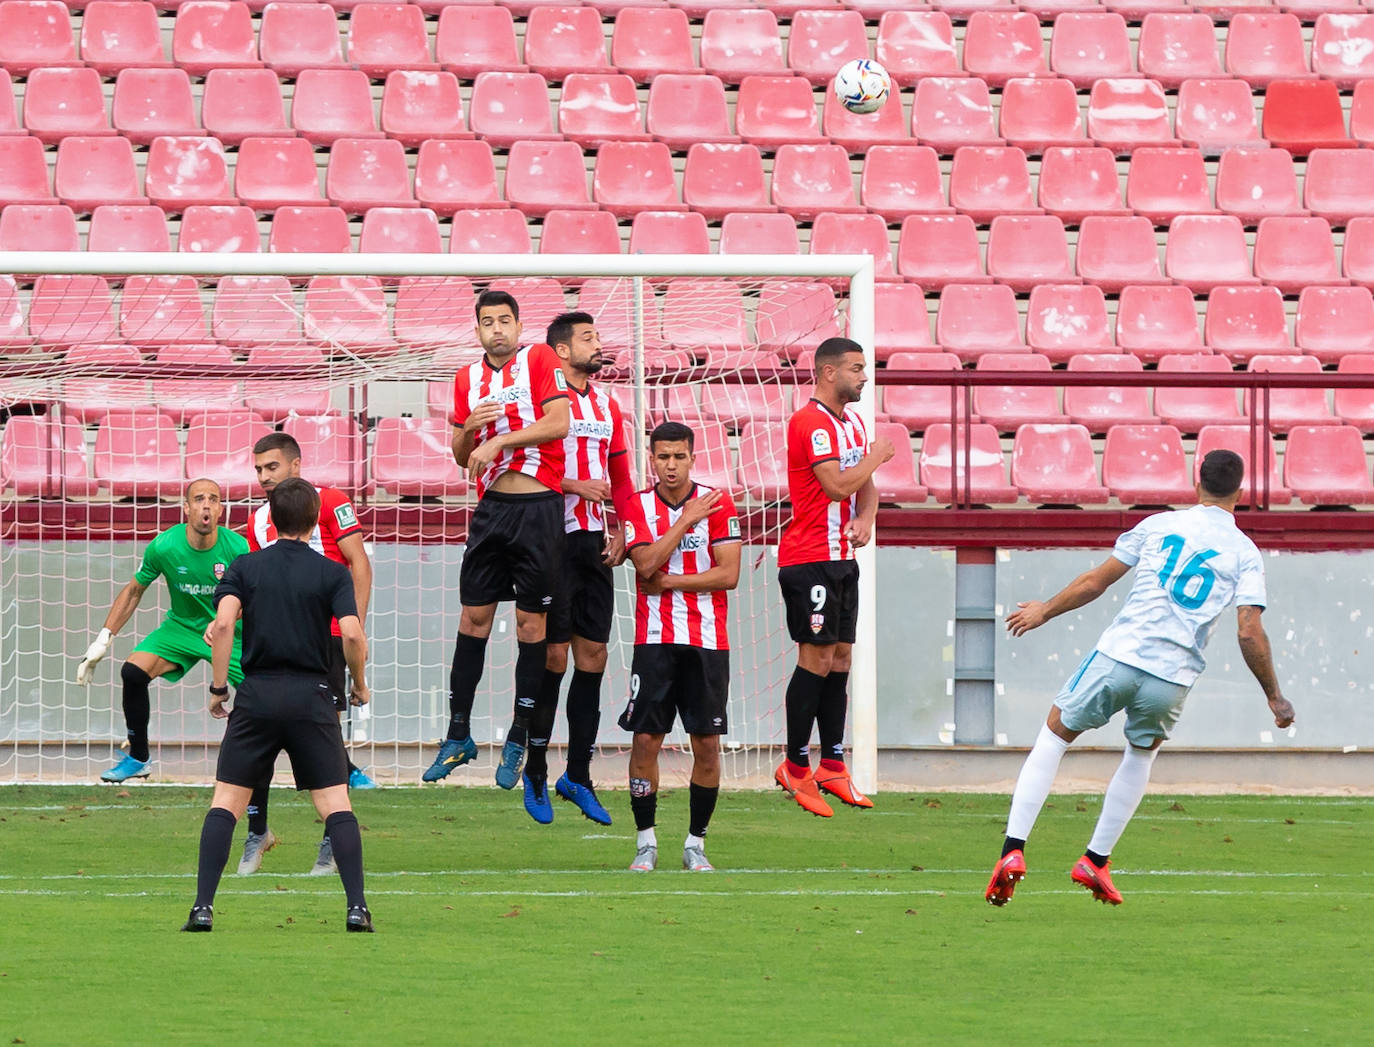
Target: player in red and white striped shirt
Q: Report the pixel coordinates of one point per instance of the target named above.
(510, 415)
(684, 540)
(830, 467)
(596, 469)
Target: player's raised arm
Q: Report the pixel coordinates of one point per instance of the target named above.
(1084, 589)
(123, 608)
(1254, 646)
(841, 484)
(650, 557)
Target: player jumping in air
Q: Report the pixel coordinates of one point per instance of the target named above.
(510, 415)
(830, 467)
(192, 557)
(1191, 564)
(337, 536)
(684, 541)
(597, 468)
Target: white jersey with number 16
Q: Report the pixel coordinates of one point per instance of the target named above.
(1190, 566)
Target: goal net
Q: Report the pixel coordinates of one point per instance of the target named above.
(124, 376)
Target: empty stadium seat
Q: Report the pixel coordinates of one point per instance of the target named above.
(128, 227)
(985, 181)
(1177, 46)
(334, 448)
(669, 232)
(67, 310)
(1065, 320)
(948, 479)
(489, 231)
(809, 179)
(902, 180)
(1326, 465)
(1166, 182)
(13, 333)
(744, 233)
(386, 37)
(1089, 45)
(419, 106)
(1356, 406)
(1343, 48)
(1010, 406)
(185, 171)
(1254, 184)
(948, 112)
(1041, 112)
(183, 395)
(688, 109)
(1099, 407)
(214, 34)
(1153, 320)
(999, 45)
(411, 457)
(433, 310)
(1206, 251)
(1191, 408)
(579, 232)
(117, 35)
(973, 319)
(1334, 322)
(721, 181)
(736, 405)
(1145, 465)
(60, 102)
(1357, 255)
(820, 41)
(276, 172)
(88, 398)
(161, 310)
(918, 406)
(563, 40)
(255, 310)
(649, 41)
(794, 316)
(298, 230)
(833, 233)
(1124, 114)
(704, 314)
(219, 230)
(9, 112)
(1290, 407)
(913, 44)
(366, 173)
(1291, 253)
(541, 298)
(1336, 184)
(137, 454)
(94, 171)
(740, 43)
(1116, 251)
(411, 230)
(1362, 113)
(895, 480)
(219, 445)
(595, 108)
(900, 320)
(1263, 46)
(347, 311)
(152, 102)
(1246, 321)
(1055, 465)
(1024, 250)
(456, 175)
(239, 103)
(1302, 115)
(295, 37)
(1214, 115)
(860, 132)
(1077, 182)
(1237, 438)
(635, 176)
(776, 111)
(37, 33)
(38, 227)
(330, 104)
(544, 175)
(935, 250)
(506, 108)
(478, 39)
(42, 456)
(23, 170)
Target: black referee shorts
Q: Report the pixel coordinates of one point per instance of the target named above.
(514, 551)
(672, 679)
(294, 714)
(822, 601)
(584, 601)
(338, 673)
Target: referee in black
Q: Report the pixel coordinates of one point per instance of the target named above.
(286, 594)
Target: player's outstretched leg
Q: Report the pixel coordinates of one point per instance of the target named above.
(1006, 874)
(137, 713)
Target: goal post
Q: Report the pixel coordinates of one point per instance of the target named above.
(36, 378)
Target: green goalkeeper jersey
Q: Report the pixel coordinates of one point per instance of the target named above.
(191, 574)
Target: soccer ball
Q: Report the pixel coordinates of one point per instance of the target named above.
(862, 86)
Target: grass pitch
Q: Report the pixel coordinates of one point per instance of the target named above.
(1247, 921)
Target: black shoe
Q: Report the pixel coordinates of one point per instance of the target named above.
(202, 918)
(359, 919)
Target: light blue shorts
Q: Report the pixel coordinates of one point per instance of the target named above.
(1102, 687)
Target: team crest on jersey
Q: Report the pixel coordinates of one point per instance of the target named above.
(817, 624)
(219, 571)
(820, 442)
(629, 533)
(345, 516)
(733, 528)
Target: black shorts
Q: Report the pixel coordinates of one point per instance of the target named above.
(338, 673)
(668, 679)
(584, 601)
(514, 549)
(294, 714)
(822, 601)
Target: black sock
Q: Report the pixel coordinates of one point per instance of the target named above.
(1099, 860)
(830, 714)
(541, 725)
(216, 837)
(1011, 843)
(702, 804)
(469, 656)
(353, 767)
(342, 829)
(529, 676)
(137, 709)
(257, 809)
(643, 804)
(584, 719)
(804, 692)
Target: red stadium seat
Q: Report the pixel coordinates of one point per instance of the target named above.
(1040, 112)
(348, 312)
(919, 406)
(1167, 182)
(364, 173)
(1243, 322)
(595, 108)
(214, 34)
(650, 41)
(1214, 115)
(9, 112)
(87, 399)
(809, 179)
(821, 41)
(860, 132)
(740, 43)
(408, 230)
(1174, 47)
(95, 171)
(833, 233)
(1099, 407)
(238, 103)
(1265, 46)
(309, 229)
(489, 231)
(712, 467)
(1078, 182)
(128, 227)
(1116, 251)
(1055, 465)
(895, 480)
(153, 102)
(38, 227)
(986, 181)
(1357, 255)
(1254, 184)
(161, 310)
(336, 451)
(295, 37)
(635, 176)
(973, 319)
(23, 170)
(44, 457)
(219, 230)
(1334, 322)
(1152, 321)
(541, 298)
(902, 180)
(1010, 406)
(1326, 465)
(1290, 407)
(794, 316)
(117, 35)
(219, 445)
(943, 471)
(333, 104)
(999, 45)
(1237, 438)
(1206, 251)
(1024, 250)
(1291, 253)
(185, 171)
(506, 108)
(1336, 184)
(669, 232)
(687, 109)
(419, 106)
(1362, 113)
(611, 301)
(185, 395)
(737, 405)
(411, 457)
(60, 102)
(456, 175)
(1066, 320)
(744, 233)
(1145, 465)
(37, 33)
(475, 40)
(13, 333)
(1125, 114)
(1190, 409)
(137, 454)
(563, 40)
(434, 310)
(1343, 48)
(1356, 406)
(543, 175)
(722, 181)
(936, 250)
(1090, 45)
(66, 310)
(1302, 115)
(255, 310)
(579, 232)
(900, 320)
(913, 44)
(776, 111)
(276, 172)
(386, 37)
(949, 112)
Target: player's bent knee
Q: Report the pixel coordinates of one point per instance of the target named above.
(131, 674)
(589, 656)
(330, 800)
(529, 627)
(232, 798)
(843, 658)
(818, 659)
(556, 658)
(477, 621)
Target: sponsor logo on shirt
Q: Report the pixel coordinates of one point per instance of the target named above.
(850, 457)
(591, 427)
(692, 542)
(345, 517)
(509, 395)
(192, 589)
(820, 442)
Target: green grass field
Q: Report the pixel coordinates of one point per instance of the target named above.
(1247, 921)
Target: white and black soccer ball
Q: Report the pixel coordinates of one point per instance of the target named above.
(862, 86)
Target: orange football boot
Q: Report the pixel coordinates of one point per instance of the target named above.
(840, 785)
(1006, 874)
(1099, 881)
(803, 790)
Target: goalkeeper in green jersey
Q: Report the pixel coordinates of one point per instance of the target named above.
(192, 558)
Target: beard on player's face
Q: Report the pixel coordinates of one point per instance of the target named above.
(590, 364)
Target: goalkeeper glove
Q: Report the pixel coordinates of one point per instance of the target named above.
(96, 651)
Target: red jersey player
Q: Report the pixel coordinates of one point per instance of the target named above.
(510, 414)
(684, 540)
(596, 468)
(337, 536)
(830, 467)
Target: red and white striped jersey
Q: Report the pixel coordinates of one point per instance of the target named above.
(524, 385)
(337, 521)
(695, 619)
(816, 531)
(596, 438)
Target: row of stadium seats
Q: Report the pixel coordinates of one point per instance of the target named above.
(644, 42)
(138, 453)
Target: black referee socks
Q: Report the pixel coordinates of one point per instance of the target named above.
(469, 657)
(804, 692)
(137, 709)
(830, 714)
(216, 837)
(342, 829)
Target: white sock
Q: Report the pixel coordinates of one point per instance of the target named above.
(1033, 784)
(1124, 794)
(694, 841)
(646, 838)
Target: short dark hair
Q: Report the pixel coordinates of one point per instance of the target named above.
(284, 442)
(295, 506)
(561, 328)
(830, 351)
(1221, 473)
(671, 433)
(491, 299)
